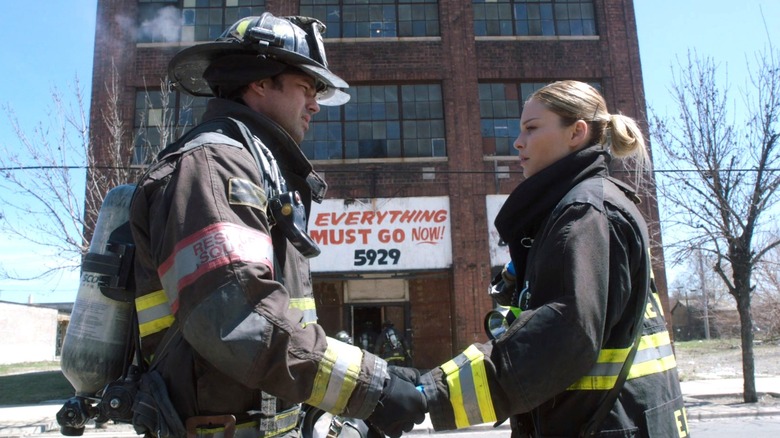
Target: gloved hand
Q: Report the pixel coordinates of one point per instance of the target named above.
(407, 373)
(503, 286)
(400, 406)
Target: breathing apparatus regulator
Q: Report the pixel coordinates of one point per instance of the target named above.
(503, 289)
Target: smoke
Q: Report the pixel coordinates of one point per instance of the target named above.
(164, 27)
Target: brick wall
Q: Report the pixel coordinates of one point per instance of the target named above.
(458, 61)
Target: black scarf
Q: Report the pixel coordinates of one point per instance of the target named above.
(531, 202)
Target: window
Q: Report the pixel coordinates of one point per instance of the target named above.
(160, 118)
(380, 121)
(534, 17)
(191, 20)
(375, 18)
(500, 107)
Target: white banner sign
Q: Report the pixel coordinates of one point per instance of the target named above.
(382, 234)
(499, 252)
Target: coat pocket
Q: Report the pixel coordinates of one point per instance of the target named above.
(667, 420)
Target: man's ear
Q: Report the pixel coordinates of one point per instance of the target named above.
(579, 134)
(259, 87)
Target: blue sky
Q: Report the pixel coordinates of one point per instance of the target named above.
(48, 43)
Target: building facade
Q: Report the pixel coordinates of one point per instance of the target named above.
(420, 159)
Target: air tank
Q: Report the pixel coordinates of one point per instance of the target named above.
(94, 350)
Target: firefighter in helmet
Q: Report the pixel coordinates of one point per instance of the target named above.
(224, 294)
(391, 346)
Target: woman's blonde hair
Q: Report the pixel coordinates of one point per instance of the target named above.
(575, 100)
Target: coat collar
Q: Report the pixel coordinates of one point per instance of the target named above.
(287, 152)
(532, 201)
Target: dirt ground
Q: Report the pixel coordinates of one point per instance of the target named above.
(699, 360)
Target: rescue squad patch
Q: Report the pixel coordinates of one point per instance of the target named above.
(244, 192)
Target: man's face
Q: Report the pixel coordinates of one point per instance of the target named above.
(289, 100)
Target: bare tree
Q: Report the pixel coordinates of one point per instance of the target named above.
(46, 203)
(720, 187)
(40, 174)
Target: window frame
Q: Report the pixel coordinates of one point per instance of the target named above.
(535, 18)
(522, 89)
(384, 118)
(375, 18)
(146, 107)
(193, 20)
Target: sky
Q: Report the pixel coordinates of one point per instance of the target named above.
(49, 43)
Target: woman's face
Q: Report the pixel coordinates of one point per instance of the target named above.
(543, 139)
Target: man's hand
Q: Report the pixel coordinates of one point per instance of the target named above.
(400, 406)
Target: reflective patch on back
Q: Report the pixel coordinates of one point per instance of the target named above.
(210, 138)
(244, 192)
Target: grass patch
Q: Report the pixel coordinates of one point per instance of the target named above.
(26, 367)
(32, 388)
(32, 383)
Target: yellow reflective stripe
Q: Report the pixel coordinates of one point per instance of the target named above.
(469, 390)
(154, 313)
(613, 355)
(216, 430)
(481, 387)
(308, 307)
(456, 395)
(654, 355)
(657, 366)
(336, 377)
(278, 424)
(281, 422)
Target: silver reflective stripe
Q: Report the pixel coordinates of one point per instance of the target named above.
(466, 378)
(157, 312)
(374, 390)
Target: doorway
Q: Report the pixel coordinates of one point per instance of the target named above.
(367, 320)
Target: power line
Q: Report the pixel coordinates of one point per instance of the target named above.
(384, 170)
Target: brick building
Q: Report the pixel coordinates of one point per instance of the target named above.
(420, 159)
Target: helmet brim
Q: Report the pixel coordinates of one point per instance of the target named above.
(186, 69)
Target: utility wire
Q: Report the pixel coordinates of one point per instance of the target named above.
(324, 169)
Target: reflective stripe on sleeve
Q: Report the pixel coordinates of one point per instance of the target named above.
(210, 248)
(469, 389)
(154, 313)
(654, 355)
(336, 377)
(308, 307)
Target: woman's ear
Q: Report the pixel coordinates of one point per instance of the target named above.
(580, 131)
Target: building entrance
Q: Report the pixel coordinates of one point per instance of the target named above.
(368, 320)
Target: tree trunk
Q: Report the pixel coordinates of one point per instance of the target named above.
(748, 360)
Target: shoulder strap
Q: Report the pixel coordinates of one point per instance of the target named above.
(591, 427)
(263, 157)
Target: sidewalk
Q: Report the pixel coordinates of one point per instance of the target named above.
(704, 399)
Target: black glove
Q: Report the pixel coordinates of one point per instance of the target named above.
(409, 374)
(400, 406)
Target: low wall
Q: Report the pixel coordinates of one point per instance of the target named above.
(27, 333)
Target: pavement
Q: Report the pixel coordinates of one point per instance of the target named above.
(704, 399)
